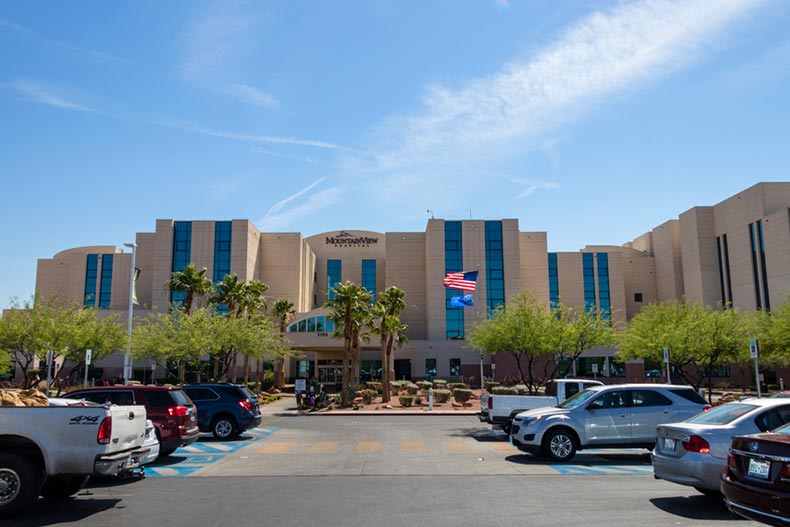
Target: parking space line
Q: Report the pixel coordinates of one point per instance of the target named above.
(368, 447)
(323, 447)
(277, 448)
(413, 446)
(457, 447)
(503, 447)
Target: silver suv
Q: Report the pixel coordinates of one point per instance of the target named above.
(618, 416)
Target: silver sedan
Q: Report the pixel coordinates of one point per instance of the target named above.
(694, 452)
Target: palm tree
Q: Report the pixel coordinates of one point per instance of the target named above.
(387, 312)
(350, 312)
(228, 291)
(283, 311)
(191, 282)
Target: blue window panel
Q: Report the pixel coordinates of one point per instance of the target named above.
(554, 281)
(453, 262)
(311, 324)
(303, 326)
(330, 325)
(334, 276)
(369, 278)
(319, 324)
(495, 264)
(223, 232)
(105, 286)
(91, 273)
(182, 254)
(293, 328)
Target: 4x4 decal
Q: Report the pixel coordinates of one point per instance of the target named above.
(84, 419)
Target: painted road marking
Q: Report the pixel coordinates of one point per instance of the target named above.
(323, 447)
(188, 460)
(503, 447)
(368, 447)
(277, 448)
(457, 447)
(601, 470)
(413, 446)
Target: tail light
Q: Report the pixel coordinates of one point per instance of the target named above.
(105, 431)
(246, 404)
(178, 411)
(731, 461)
(706, 408)
(785, 473)
(490, 403)
(696, 444)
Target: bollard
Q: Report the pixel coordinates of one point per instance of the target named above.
(430, 399)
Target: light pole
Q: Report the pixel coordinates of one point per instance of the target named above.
(127, 358)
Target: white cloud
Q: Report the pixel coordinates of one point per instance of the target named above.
(216, 36)
(284, 213)
(530, 187)
(251, 138)
(252, 95)
(604, 54)
(47, 95)
(56, 43)
(284, 156)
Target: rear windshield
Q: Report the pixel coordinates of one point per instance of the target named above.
(181, 398)
(689, 394)
(239, 392)
(722, 415)
(167, 398)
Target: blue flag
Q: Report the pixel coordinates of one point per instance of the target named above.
(461, 301)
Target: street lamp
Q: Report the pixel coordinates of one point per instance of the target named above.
(127, 358)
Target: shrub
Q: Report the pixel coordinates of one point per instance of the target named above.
(462, 395)
(418, 400)
(405, 400)
(489, 385)
(369, 395)
(460, 385)
(374, 385)
(439, 383)
(397, 386)
(412, 388)
(424, 385)
(521, 389)
(441, 396)
(504, 390)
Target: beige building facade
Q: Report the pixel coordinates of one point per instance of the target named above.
(734, 253)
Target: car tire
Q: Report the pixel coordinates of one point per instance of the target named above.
(559, 445)
(21, 483)
(506, 427)
(224, 427)
(62, 488)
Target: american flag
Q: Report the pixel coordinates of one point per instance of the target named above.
(465, 281)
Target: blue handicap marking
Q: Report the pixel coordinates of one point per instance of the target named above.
(203, 453)
(601, 469)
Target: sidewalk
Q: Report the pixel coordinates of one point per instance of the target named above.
(287, 406)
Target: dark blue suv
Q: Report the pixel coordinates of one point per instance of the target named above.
(226, 410)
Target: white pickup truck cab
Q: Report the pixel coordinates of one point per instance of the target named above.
(51, 451)
(499, 410)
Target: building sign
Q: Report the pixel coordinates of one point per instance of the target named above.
(345, 239)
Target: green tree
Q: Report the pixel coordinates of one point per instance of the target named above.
(387, 324)
(350, 312)
(773, 330)
(573, 331)
(520, 329)
(283, 311)
(699, 337)
(190, 282)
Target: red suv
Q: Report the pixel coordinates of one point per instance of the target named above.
(171, 410)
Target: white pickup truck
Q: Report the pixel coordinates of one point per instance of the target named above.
(499, 410)
(51, 451)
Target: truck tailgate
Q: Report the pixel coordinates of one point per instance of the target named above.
(128, 427)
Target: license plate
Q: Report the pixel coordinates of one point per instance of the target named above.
(669, 444)
(759, 469)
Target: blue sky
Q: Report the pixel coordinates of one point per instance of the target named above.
(592, 121)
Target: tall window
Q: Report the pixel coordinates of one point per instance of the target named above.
(763, 272)
(182, 253)
(495, 268)
(222, 240)
(455, 367)
(554, 281)
(105, 286)
(453, 262)
(753, 242)
(589, 281)
(91, 273)
(604, 300)
(369, 278)
(334, 275)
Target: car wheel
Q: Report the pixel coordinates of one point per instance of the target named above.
(559, 445)
(61, 488)
(166, 452)
(506, 428)
(223, 427)
(20, 483)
